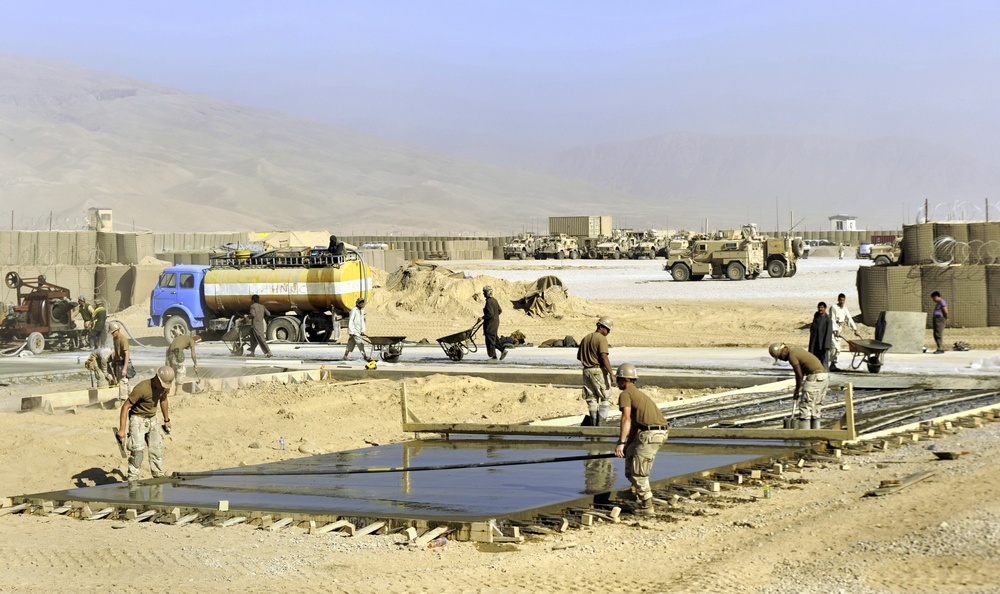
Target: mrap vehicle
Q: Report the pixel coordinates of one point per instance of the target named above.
(307, 292)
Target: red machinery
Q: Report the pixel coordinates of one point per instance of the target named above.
(44, 312)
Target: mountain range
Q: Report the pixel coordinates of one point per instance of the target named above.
(169, 160)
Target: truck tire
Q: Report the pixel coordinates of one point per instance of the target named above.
(791, 271)
(506, 256)
(282, 330)
(680, 272)
(523, 255)
(882, 261)
(574, 255)
(776, 269)
(697, 277)
(616, 255)
(797, 248)
(175, 326)
(35, 343)
(560, 255)
(735, 271)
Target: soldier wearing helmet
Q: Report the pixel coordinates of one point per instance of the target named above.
(87, 316)
(137, 422)
(491, 323)
(643, 430)
(593, 355)
(120, 355)
(811, 382)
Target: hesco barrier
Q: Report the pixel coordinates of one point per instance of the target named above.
(963, 287)
(993, 295)
(888, 288)
(918, 244)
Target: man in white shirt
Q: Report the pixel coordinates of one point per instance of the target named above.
(841, 317)
(356, 330)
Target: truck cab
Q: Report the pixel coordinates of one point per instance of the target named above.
(177, 302)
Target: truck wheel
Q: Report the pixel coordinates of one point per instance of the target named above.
(651, 255)
(680, 272)
(735, 271)
(791, 271)
(560, 255)
(282, 330)
(506, 256)
(776, 269)
(574, 255)
(616, 255)
(175, 326)
(882, 261)
(35, 343)
(522, 255)
(697, 277)
(798, 249)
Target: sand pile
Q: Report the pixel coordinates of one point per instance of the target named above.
(429, 289)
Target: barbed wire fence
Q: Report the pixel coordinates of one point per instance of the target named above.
(957, 212)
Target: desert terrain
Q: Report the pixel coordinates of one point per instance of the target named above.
(817, 533)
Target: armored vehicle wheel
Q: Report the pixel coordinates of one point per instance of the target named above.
(882, 261)
(652, 254)
(776, 269)
(175, 326)
(592, 254)
(680, 272)
(522, 255)
(791, 271)
(697, 277)
(735, 271)
(797, 248)
(717, 276)
(615, 255)
(35, 343)
(574, 255)
(506, 256)
(560, 255)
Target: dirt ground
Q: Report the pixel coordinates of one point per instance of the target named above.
(817, 535)
(821, 535)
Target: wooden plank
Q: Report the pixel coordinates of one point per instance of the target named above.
(370, 528)
(906, 482)
(14, 509)
(62, 509)
(349, 527)
(233, 521)
(430, 535)
(280, 524)
(100, 514)
(144, 515)
(679, 432)
(187, 519)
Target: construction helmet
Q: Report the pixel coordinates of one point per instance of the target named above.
(775, 349)
(606, 322)
(371, 364)
(627, 371)
(165, 375)
(114, 326)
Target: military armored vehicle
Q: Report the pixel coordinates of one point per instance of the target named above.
(520, 247)
(558, 246)
(887, 254)
(781, 255)
(735, 255)
(648, 244)
(615, 247)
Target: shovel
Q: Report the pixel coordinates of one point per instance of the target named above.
(121, 443)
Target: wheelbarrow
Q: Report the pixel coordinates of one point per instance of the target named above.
(456, 345)
(237, 337)
(868, 351)
(388, 347)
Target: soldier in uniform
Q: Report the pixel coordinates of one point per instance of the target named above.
(120, 357)
(811, 381)
(643, 431)
(175, 355)
(137, 422)
(593, 355)
(87, 316)
(99, 330)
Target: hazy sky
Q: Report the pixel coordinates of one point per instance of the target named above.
(514, 79)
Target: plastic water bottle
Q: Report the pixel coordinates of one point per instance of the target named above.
(437, 542)
(281, 442)
(767, 491)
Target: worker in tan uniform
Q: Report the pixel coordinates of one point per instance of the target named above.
(137, 422)
(811, 382)
(175, 355)
(87, 316)
(120, 357)
(593, 355)
(643, 431)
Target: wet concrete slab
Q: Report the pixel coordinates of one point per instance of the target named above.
(465, 495)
